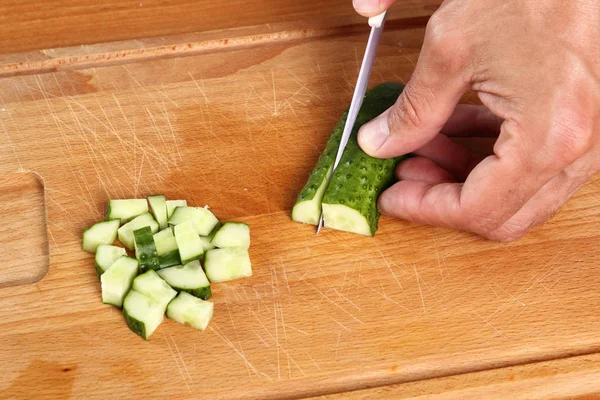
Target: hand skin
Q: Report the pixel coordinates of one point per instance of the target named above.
(535, 65)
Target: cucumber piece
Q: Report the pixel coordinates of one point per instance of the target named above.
(358, 179)
(126, 231)
(191, 311)
(166, 248)
(158, 206)
(152, 285)
(142, 313)
(100, 233)
(170, 259)
(165, 241)
(173, 204)
(227, 264)
(232, 234)
(117, 280)
(188, 278)
(106, 255)
(145, 249)
(206, 243)
(126, 209)
(204, 220)
(188, 242)
(308, 210)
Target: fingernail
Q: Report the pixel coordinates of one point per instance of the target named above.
(365, 5)
(374, 134)
(383, 203)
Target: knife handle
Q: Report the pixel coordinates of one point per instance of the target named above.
(377, 21)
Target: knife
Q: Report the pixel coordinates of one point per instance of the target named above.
(376, 24)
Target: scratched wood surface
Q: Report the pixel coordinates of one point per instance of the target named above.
(240, 130)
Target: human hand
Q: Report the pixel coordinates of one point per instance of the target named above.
(535, 65)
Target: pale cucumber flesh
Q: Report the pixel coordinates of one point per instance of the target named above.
(117, 280)
(191, 311)
(152, 285)
(343, 218)
(126, 209)
(125, 232)
(227, 264)
(99, 233)
(142, 313)
(106, 255)
(232, 234)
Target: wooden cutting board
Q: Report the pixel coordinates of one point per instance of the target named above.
(236, 119)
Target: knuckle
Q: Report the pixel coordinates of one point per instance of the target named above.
(483, 223)
(446, 43)
(571, 138)
(507, 233)
(408, 110)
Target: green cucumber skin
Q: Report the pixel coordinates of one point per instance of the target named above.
(203, 293)
(146, 249)
(136, 326)
(169, 259)
(99, 270)
(359, 179)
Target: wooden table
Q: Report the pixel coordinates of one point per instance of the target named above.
(132, 98)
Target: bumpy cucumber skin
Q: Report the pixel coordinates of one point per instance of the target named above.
(136, 326)
(146, 249)
(169, 259)
(376, 101)
(203, 293)
(359, 179)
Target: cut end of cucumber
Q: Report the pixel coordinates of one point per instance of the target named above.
(153, 286)
(106, 255)
(142, 313)
(232, 234)
(117, 280)
(307, 212)
(227, 264)
(191, 311)
(125, 209)
(99, 233)
(343, 218)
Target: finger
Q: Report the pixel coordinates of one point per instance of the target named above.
(370, 8)
(450, 156)
(427, 101)
(422, 169)
(545, 203)
(494, 191)
(472, 121)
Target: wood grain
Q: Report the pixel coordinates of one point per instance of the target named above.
(240, 130)
(36, 25)
(573, 378)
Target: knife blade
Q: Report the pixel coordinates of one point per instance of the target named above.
(377, 23)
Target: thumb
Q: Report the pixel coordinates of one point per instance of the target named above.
(370, 8)
(427, 102)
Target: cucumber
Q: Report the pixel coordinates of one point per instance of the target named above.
(203, 219)
(142, 313)
(152, 285)
(206, 243)
(357, 181)
(227, 264)
(166, 248)
(173, 204)
(125, 209)
(188, 242)
(191, 311)
(106, 255)
(117, 280)
(232, 234)
(158, 206)
(145, 249)
(188, 278)
(100, 233)
(125, 232)
(165, 241)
